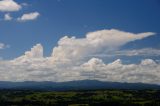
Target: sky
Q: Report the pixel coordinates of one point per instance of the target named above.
(63, 40)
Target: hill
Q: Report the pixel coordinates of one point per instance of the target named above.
(74, 85)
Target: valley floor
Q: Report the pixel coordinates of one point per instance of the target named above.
(80, 98)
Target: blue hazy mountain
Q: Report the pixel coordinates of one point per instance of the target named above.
(74, 85)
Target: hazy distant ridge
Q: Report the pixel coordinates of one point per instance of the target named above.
(75, 85)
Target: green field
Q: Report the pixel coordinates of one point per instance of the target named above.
(80, 98)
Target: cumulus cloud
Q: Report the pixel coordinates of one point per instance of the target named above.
(9, 6)
(70, 49)
(29, 17)
(146, 72)
(70, 61)
(3, 46)
(36, 52)
(7, 17)
(12, 6)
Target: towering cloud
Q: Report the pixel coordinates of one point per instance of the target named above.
(71, 60)
(36, 52)
(98, 42)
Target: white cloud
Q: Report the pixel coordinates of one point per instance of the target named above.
(139, 52)
(70, 61)
(9, 6)
(35, 53)
(148, 62)
(134, 52)
(147, 71)
(12, 6)
(3, 46)
(74, 49)
(7, 17)
(29, 16)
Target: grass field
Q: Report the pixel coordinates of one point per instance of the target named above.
(80, 98)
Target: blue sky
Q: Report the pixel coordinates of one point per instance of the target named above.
(65, 40)
(76, 18)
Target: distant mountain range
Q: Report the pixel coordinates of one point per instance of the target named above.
(74, 85)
